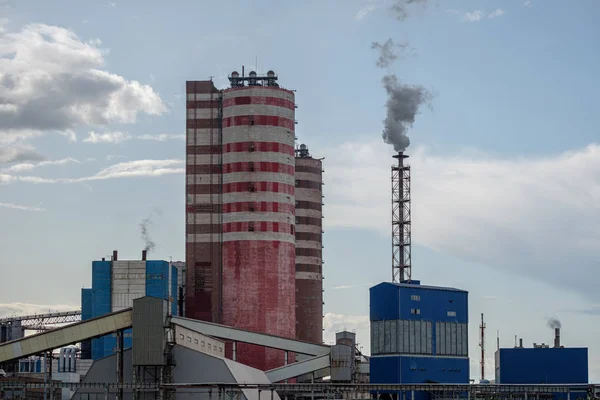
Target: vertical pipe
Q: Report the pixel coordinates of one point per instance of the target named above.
(144, 254)
(234, 352)
(115, 255)
(285, 361)
(120, 364)
(45, 375)
(50, 377)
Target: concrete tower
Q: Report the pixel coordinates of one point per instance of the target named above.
(241, 227)
(203, 201)
(309, 245)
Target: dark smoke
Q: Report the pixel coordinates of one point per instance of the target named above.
(150, 245)
(398, 7)
(403, 105)
(553, 323)
(388, 52)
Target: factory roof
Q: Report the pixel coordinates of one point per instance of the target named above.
(417, 285)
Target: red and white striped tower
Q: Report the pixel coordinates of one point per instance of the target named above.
(258, 215)
(309, 247)
(203, 201)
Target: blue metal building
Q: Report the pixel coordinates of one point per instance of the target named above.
(114, 286)
(543, 365)
(419, 334)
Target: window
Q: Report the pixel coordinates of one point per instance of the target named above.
(415, 297)
(189, 339)
(452, 313)
(195, 341)
(415, 311)
(181, 336)
(250, 226)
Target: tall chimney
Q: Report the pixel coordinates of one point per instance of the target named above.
(557, 338)
(143, 255)
(115, 253)
(521, 343)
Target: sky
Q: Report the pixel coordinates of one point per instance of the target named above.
(505, 155)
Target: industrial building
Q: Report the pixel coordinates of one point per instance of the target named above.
(418, 334)
(542, 364)
(241, 214)
(115, 284)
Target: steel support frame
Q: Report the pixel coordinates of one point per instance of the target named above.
(401, 221)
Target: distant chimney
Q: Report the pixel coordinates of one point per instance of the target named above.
(521, 343)
(103, 259)
(557, 338)
(115, 254)
(143, 255)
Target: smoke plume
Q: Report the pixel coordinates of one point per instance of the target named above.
(150, 245)
(398, 7)
(402, 105)
(388, 52)
(553, 323)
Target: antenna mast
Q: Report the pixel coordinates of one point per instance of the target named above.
(401, 226)
(482, 345)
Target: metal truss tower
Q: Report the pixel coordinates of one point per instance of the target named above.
(401, 226)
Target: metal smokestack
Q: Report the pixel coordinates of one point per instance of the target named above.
(557, 338)
(144, 252)
(115, 254)
(401, 226)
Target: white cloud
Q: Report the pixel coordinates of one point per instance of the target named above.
(117, 137)
(478, 15)
(364, 11)
(473, 16)
(527, 3)
(533, 217)
(52, 81)
(129, 169)
(21, 207)
(106, 137)
(3, 22)
(496, 13)
(22, 167)
(21, 309)
(343, 287)
(18, 153)
(161, 137)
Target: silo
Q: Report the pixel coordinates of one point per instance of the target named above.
(309, 245)
(258, 215)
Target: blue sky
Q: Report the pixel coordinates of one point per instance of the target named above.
(506, 181)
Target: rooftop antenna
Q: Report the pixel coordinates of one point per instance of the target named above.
(401, 227)
(498, 340)
(482, 345)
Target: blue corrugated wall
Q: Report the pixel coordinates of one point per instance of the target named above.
(96, 301)
(157, 279)
(101, 299)
(543, 365)
(389, 302)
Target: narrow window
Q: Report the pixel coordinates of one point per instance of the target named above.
(452, 313)
(415, 297)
